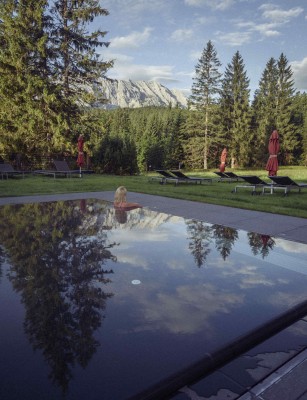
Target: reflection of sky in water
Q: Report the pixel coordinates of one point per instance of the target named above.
(188, 300)
(286, 254)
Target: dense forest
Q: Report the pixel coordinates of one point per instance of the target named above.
(49, 60)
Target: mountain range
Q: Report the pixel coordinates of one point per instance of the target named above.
(134, 94)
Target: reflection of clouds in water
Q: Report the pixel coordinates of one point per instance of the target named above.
(128, 238)
(281, 299)
(177, 264)
(247, 276)
(254, 281)
(291, 247)
(188, 310)
(133, 260)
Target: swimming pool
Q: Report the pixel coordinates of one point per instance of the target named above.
(99, 304)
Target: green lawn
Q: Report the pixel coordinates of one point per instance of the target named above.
(294, 204)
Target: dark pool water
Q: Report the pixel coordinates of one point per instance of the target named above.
(96, 304)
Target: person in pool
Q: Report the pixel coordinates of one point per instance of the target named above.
(120, 200)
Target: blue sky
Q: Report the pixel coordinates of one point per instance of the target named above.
(162, 40)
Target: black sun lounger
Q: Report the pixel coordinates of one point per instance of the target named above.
(227, 176)
(7, 170)
(233, 176)
(181, 175)
(62, 170)
(252, 182)
(287, 183)
(164, 177)
(62, 166)
(169, 177)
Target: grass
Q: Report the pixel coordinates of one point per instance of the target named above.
(295, 204)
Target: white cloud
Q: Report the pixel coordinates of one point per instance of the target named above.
(278, 15)
(134, 40)
(299, 69)
(234, 38)
(139, 72)
(180, 35)
(266, 30)
(135, 6)
(214, 4)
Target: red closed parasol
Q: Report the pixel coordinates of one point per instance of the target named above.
(223, 160)
(80, 159)
(273, 147)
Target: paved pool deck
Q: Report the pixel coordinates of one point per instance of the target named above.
(289, 381)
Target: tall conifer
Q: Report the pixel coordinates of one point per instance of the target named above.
(48, 63)
(284, 109)
(264, 111)
(26, 94)
(273, 109)
(235, 111)
(205, 92)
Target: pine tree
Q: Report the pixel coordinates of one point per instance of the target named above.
(205, 91)
(273, 109)
(27, 96)
(76, 64)
(235, 111)
(47, 64)
(299, 120)
(264, 110)
(284, 108)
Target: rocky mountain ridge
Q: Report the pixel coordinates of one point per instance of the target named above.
(134, 94)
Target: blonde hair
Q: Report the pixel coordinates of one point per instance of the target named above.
(120, 195)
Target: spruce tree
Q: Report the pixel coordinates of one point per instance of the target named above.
(299, 120)
(273, 109)
(47, 65)
(76, 64)
(284, 109)
(264, 111)
(235, 111)
(27, 96)
(205, 91)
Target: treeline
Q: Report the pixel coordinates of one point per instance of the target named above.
(49, 60)
(131, 140)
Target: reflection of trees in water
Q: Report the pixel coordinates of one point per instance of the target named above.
(58, 269)
(260, 244)
(199, 236)
(225, 238)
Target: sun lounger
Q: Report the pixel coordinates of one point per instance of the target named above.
(62, 170)
(233, 176)
(287, 183)
(164, 177)
(7, 170)
(181, 175)
(227, 176)
(252, 182)
(63, 167)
